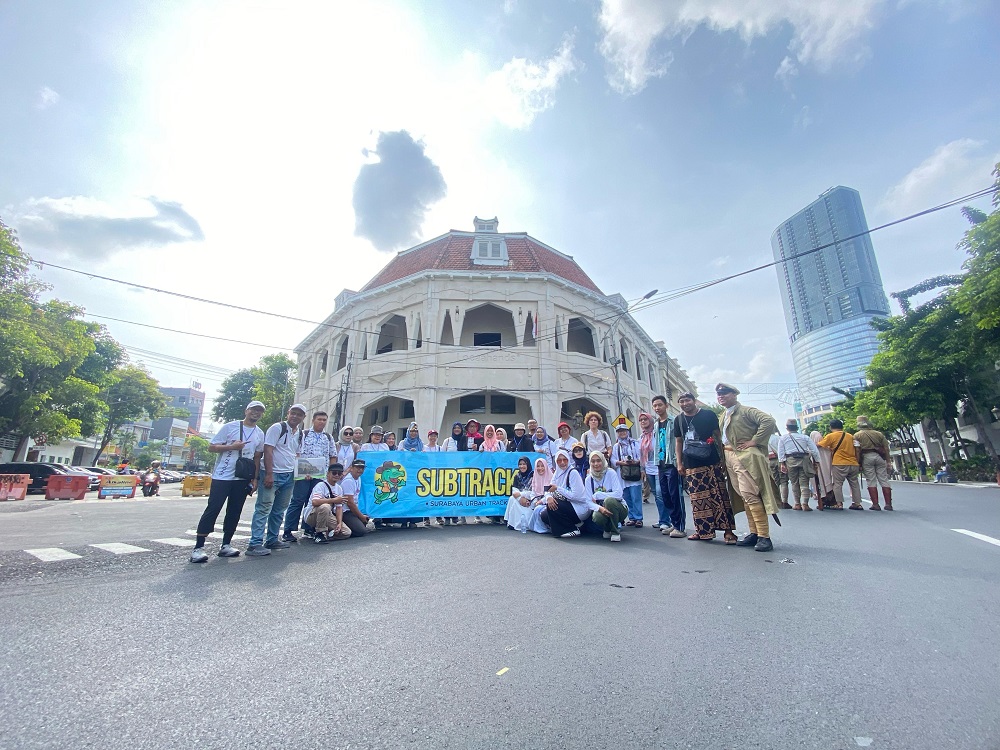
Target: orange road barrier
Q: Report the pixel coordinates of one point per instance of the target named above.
(14, 486)
(67, 487)
(121, 485)
(195, 486)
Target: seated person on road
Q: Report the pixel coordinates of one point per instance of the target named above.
(325, 511)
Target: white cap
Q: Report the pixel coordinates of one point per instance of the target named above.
(300, 407)
(252, 404)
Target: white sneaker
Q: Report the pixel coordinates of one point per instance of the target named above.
(666, 529)
(616, 537)
(607, 534)
(228, 550)
(199, 555)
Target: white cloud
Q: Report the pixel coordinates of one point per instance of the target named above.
(509, 6)
(47, 98)
(523, 89)
(802, 118)
(786, 71)
(954, 169)
(824, 32)
(721, 262)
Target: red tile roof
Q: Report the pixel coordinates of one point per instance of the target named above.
(453, 252)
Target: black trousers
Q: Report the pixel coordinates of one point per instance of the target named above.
(563, 519)
(354, 524)
(223, 491)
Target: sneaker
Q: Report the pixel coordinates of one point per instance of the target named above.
(655, 525)
(289, 537)
(607, 535)
(229, 550)
(570, 534)
(763, 544)
(370, 526)
(277, 544)
(308, 533)
(677, 534)
(199, 555)
(258, 551)
(616, 537)
(319, 538)
(666, 529)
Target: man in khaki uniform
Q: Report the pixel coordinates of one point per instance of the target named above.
(745, 432)
(872, 451)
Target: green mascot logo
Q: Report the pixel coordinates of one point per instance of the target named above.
(389, 477)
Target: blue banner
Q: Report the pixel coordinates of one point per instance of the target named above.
(406, 484)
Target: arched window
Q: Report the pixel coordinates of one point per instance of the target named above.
(580, 337)
(447, 332)
(638, 366)
(419, 343)
(624, 354)
(306, 373)
(342, 357)
(392, 335)
(652, 376)
(322, 361)
(529, 330)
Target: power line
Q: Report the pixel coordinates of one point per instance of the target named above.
(187, 333)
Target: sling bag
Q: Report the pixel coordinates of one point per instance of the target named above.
(694, 449)
(245, 468)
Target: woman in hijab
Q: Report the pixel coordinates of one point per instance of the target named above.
(473, 437)
(604, 487)
(579, 457)
(541, 444)
(540, 479)
(454, 442)
(490, 443)
(502, 437)
(647, 457)
(519, 505)
(347, 449)
(412, 442)
(567, 505)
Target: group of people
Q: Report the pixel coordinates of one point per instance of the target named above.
(569, 487)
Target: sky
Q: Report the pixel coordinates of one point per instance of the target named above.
(270, 154)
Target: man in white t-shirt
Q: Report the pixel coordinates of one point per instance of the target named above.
(316, 443)
(350, 487)
(325, 510)
(282, 446)
(236, 439)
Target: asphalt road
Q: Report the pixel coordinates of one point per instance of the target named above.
(860, 630)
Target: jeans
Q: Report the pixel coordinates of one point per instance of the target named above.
(633, 499)
(663, 518)
(669, 502)
(300, 495)
(270, 507)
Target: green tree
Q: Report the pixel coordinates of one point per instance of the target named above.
(151, 451)
(979, 294)
(198, 446)
(125, 440)
(271, 381)
(129, 393)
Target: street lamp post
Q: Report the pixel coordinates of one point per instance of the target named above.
(615, 359)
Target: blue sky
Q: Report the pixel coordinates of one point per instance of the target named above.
(213, 148)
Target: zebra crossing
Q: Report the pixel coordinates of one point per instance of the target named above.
(58, 554)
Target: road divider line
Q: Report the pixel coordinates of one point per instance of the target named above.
(52, 554)
(175, 541)
(119, 548)
(980, 537)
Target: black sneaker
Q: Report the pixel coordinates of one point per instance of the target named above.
(319, 538)
(289, 537)
(764, 544)
(277, 544)
(308, 533)
(748, 541)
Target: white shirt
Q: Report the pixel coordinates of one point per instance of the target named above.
(351, 486)
(772, 443)
(725, 423)
(609, 486)
(285, 448)
(432, 448)
(345, 454)
(321, 491)
(795, 443)
(372, 447)
(599, 442)
(225, 464)
(450, 443)
(566, 443)
(625, 451)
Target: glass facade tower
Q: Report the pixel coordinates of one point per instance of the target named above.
(829, 296)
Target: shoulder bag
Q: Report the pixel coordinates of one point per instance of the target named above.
(629, 467)
(694, 449)
(245, 468)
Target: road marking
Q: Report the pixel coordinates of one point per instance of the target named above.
(505, 669)
(118, 548)
(215, 535)
(51, 554)
(980, 537)
(175, 541)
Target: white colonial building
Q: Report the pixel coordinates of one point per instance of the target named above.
(493, 326)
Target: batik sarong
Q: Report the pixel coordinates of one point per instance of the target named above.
(710, 504)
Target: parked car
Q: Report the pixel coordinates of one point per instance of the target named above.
(101, 470)
(95, 477)
(171, 476)
(39, 473)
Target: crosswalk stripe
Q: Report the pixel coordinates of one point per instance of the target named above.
(51, 554)
(215, 534)
(119, 548)
(175, 541)
(980, 537)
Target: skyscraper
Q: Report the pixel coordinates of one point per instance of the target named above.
(830, 296)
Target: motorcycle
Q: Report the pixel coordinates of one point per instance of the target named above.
(150, 483)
